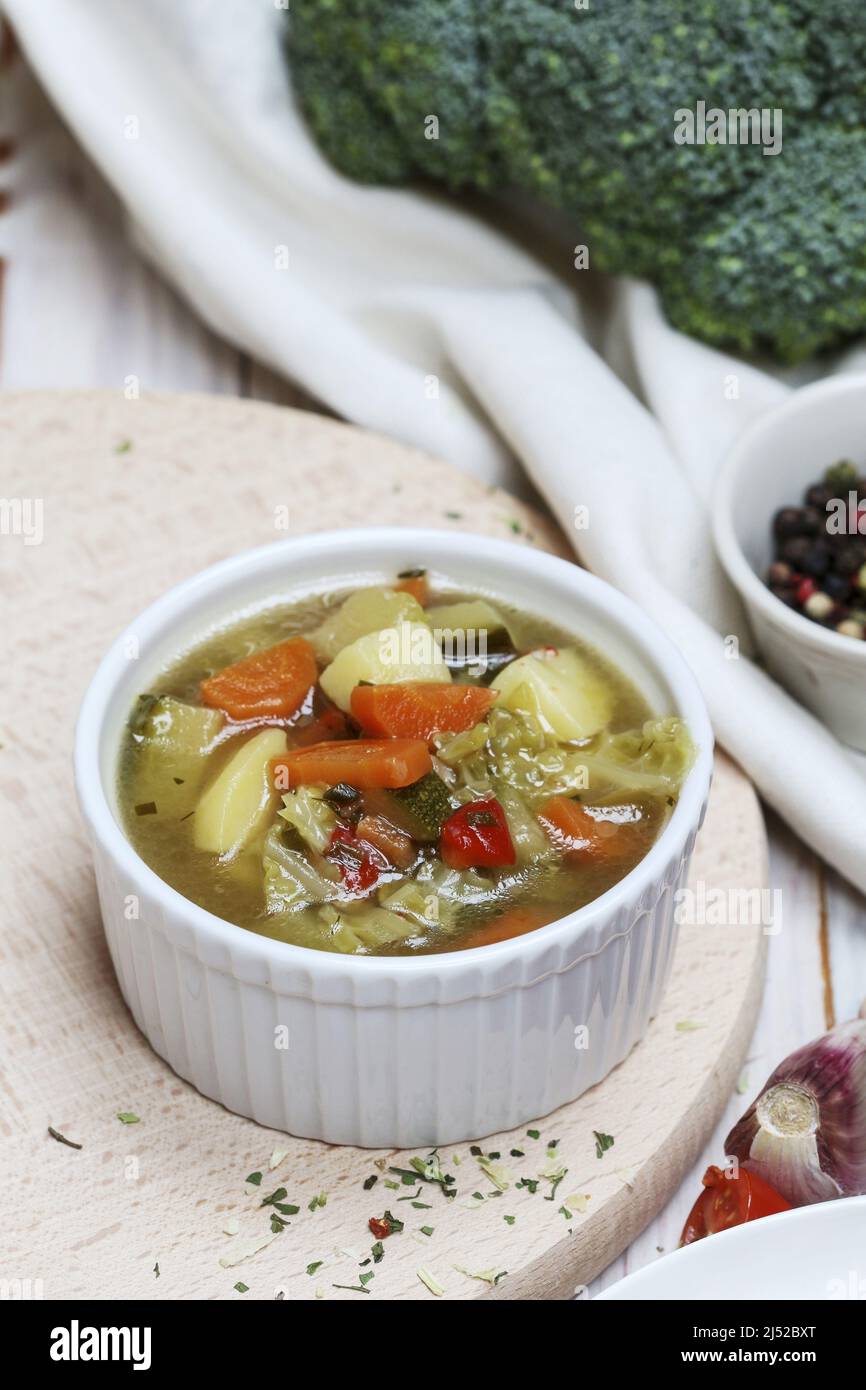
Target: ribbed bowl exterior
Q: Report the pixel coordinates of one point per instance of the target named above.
(437, 1062)
(388, 1052)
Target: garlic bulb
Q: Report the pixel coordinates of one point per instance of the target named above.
(805, 1134)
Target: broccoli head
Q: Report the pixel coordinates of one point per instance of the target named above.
(579, 106)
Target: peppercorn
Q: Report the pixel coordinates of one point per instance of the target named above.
(790, 521)
(819, 606)
(779, 573)
(794, 551)
(837, 586)
(841, 475)
(816, 561)
(819, 495)
(849, 558)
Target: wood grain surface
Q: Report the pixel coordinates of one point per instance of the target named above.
(135, 495)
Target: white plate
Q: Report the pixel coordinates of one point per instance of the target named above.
(814, 1252)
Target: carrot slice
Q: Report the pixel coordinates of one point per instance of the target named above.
(273, 682)
(417, 586)
(578, 834)
(516, 921)
(391, 762)
(419, 709)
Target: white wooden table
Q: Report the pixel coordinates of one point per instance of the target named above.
(80, 308)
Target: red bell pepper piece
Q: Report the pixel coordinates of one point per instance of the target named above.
(360, 864)
(477, 836)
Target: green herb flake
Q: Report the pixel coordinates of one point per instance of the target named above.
(563, 1211)
(495, 1173)
(320, 1200)
(393, 1222)
(254, 1179)
(534, 1133)
(689, 1025)
(61, 1138)
(509, 1220)
(603, 1142)
(242, 1288)
(352, 1288)
(365, 1278)
(370, 1182)
(156, 1270)
(426, 1230)
(126, 1117)
(516, 1153)
(316, 1264)
(276, 1196)
(378, 1252)
(421, 1206)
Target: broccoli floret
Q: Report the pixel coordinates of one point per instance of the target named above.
(577, 106)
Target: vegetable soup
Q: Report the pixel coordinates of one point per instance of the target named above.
(391, 771)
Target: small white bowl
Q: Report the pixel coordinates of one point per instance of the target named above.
(770, 467)
(808, 1255)
(400, 1051)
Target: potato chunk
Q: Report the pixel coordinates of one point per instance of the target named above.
(405, 652)
(367, 610)
(238, 805)
(571, 701)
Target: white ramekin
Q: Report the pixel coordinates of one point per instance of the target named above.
(770, 467)
(388, 1052)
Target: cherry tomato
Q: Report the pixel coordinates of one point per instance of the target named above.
(729, 1201)
(477, 836)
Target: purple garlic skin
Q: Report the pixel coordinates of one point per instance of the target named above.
(805, 1133)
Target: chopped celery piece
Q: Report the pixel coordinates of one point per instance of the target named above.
(312, 817)
(175, 739)
(367, 610)
(403, 652)
(530, 842)
(455, 747)
(653, 759)
(358, 929)
(291, 882)
(237, 806)
(417, 901)
(563, 692)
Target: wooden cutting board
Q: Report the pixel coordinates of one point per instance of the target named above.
(121, 499)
